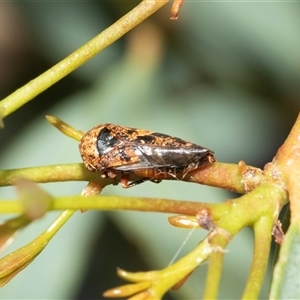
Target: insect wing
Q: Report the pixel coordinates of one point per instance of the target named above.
(177, 157)
(138, 161)
(155, 157)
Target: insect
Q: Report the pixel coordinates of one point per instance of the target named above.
(116, 150)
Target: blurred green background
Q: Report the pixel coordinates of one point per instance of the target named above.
(225, 75)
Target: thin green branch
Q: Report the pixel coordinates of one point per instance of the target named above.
(80, 56)
(10, 206)
(164, 279)
(124, 203)
(14, 262)
(263, 236)
(52, 173)
(265, 200)
(221, 175)
(64, 127)
(218, 244)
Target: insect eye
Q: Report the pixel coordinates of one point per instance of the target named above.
(105, 141)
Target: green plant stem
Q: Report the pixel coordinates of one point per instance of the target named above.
(166, 278)
(80, 56)
(64, 127)
(218, 244)
(265, 200)
(44, 174)
(124, 203)
(220, 175)
(263, 236)
(11, 206)
(14, 262)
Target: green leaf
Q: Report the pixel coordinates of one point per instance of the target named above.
(286, 281)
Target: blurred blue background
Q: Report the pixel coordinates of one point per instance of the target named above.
(225, 75)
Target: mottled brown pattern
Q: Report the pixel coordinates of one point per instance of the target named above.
(149, 154)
